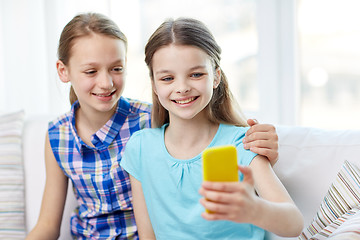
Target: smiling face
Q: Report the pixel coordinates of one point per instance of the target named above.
(96, 70)
(183, 80)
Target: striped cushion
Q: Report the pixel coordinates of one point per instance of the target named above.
(343, 195)
(349, 229)
(348, 223)
(12, 220)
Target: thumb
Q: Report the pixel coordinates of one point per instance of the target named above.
(252, 122)
(248, 176)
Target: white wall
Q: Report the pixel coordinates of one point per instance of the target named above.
(24, 65)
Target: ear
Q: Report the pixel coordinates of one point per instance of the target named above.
(62, 71)
(217, 78)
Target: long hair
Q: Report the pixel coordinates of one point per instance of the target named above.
(84, 25)
(222, 107)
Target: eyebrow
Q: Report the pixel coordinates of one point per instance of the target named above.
(96, 63)
(191, 69)
(163, 72)
(197, 67)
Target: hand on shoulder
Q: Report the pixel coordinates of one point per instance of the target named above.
(262, 139)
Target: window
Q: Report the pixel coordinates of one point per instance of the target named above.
(329, 63)
(289, 62)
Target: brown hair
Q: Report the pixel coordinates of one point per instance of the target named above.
(83, 25)
(186, 31)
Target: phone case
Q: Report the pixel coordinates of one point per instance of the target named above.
(220, 164)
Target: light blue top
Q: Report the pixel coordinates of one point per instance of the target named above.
(171, 186)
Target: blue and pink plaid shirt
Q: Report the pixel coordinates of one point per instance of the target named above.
(101, 186)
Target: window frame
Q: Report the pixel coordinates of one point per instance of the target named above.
(278, 67)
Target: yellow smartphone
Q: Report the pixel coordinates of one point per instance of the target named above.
(220, 164)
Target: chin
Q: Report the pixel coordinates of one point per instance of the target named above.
(108, 107)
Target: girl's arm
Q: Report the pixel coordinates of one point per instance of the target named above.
(141, 214)
(53, 201)
(263, 140)
(279, 213)
(273, 210)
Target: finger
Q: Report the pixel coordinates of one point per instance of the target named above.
(215, 207)
(267, 144)
(252, 122)
(259, 136)
(270, 136)
(248, 176)
(216, 196)
(220, 186)
(214, 216)
(261, 128)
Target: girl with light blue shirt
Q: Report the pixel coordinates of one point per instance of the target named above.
(193, 109)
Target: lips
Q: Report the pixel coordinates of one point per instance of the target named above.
(185, 101)
(107, 94)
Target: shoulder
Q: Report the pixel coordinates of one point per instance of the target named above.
(230, 134)
(143, 140)
(137, 106)
(146, 137)
(137, 112)
(147, 134)
(234, 135)
(60, 122)
(59, 130)
(231, 130)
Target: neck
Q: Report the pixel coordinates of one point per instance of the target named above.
(93, 120)
(89, 122)
(186, 139)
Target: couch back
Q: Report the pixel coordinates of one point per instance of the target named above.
(309, 160)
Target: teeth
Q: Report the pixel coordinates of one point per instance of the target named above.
(103, 95)
(185, 101)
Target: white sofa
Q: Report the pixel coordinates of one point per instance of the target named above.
(309, 161)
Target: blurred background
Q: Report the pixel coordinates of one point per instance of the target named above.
(292, 62)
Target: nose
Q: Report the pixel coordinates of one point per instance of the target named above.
(182, 86)
(105, 81)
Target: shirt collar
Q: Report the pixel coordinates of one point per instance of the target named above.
(111, 129)
(107, 133)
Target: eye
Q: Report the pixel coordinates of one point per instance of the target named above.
(197, 75)
(167, 79)
(118, 69)
(90, 72)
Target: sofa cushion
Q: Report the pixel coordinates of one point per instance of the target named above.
(12, 219)
(342, 196)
